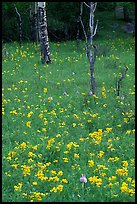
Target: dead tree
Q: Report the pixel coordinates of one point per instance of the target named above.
(43, 33)
(91, 50)
(19, 25)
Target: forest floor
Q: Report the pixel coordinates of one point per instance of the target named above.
(53, 130)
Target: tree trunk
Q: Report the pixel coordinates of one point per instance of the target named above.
(36, 23)
(91, 50)
(19, 25)
(91, 57)
(43, 33)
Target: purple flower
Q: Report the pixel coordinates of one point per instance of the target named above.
(90, 92)
(44, 100)
(77, 92)
(65, 93)
(83, 179)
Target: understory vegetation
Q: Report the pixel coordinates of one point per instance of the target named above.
(54, 130)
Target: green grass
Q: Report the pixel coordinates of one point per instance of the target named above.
(75, 123)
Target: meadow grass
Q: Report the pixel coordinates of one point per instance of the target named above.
(53, 131)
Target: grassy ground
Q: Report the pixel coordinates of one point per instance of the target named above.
(53, 131)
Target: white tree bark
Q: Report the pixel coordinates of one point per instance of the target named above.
(43, 33)
(91, 57)
(19, 24)
(90, 48)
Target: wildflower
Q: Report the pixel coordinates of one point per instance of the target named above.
(90, 93)
(128, 132)
(83, 179)
(65, 93)
(65, 159)
(124, 187)
(45, 90)
(76, 155)
(60, 187)
(126, 120)
(50, 98)
(60, 173)
(125, 163)
(14, 165)
(23, 145)
(91, 163)
(34, 183)
(64, 181)
(100, 154)
(110, 185)
(53, 172)
(129, 179)
(77, 92)
(74, 125)
(28, 124)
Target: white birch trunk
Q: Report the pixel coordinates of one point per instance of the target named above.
(91, 50)
(43, 33)
(91, 57)
(19, 25)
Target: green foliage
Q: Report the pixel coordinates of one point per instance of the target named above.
(62, 19)
(104, 6)
(10, 28)
(54, 131)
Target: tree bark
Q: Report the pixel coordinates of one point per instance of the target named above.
(19, 24)
(91, 57)
(36, 24)
(91, 50)
(43, 33)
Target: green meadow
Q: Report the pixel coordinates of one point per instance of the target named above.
(53, 130)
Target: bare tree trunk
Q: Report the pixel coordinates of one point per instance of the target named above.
(91, 50)
(19, 25)
(43, 33)
(36, 24)
(91, 57)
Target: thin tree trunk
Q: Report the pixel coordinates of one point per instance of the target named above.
(91, 57)
(91, 50)
(36, 24)
(19, 25)
(43, 33)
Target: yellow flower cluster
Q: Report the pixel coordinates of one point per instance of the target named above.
(122, 172)
(103, 92)
(58, 188)
(96, 136)
(91, 163)
(124, 189)
(18, 187)
(95, 180)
